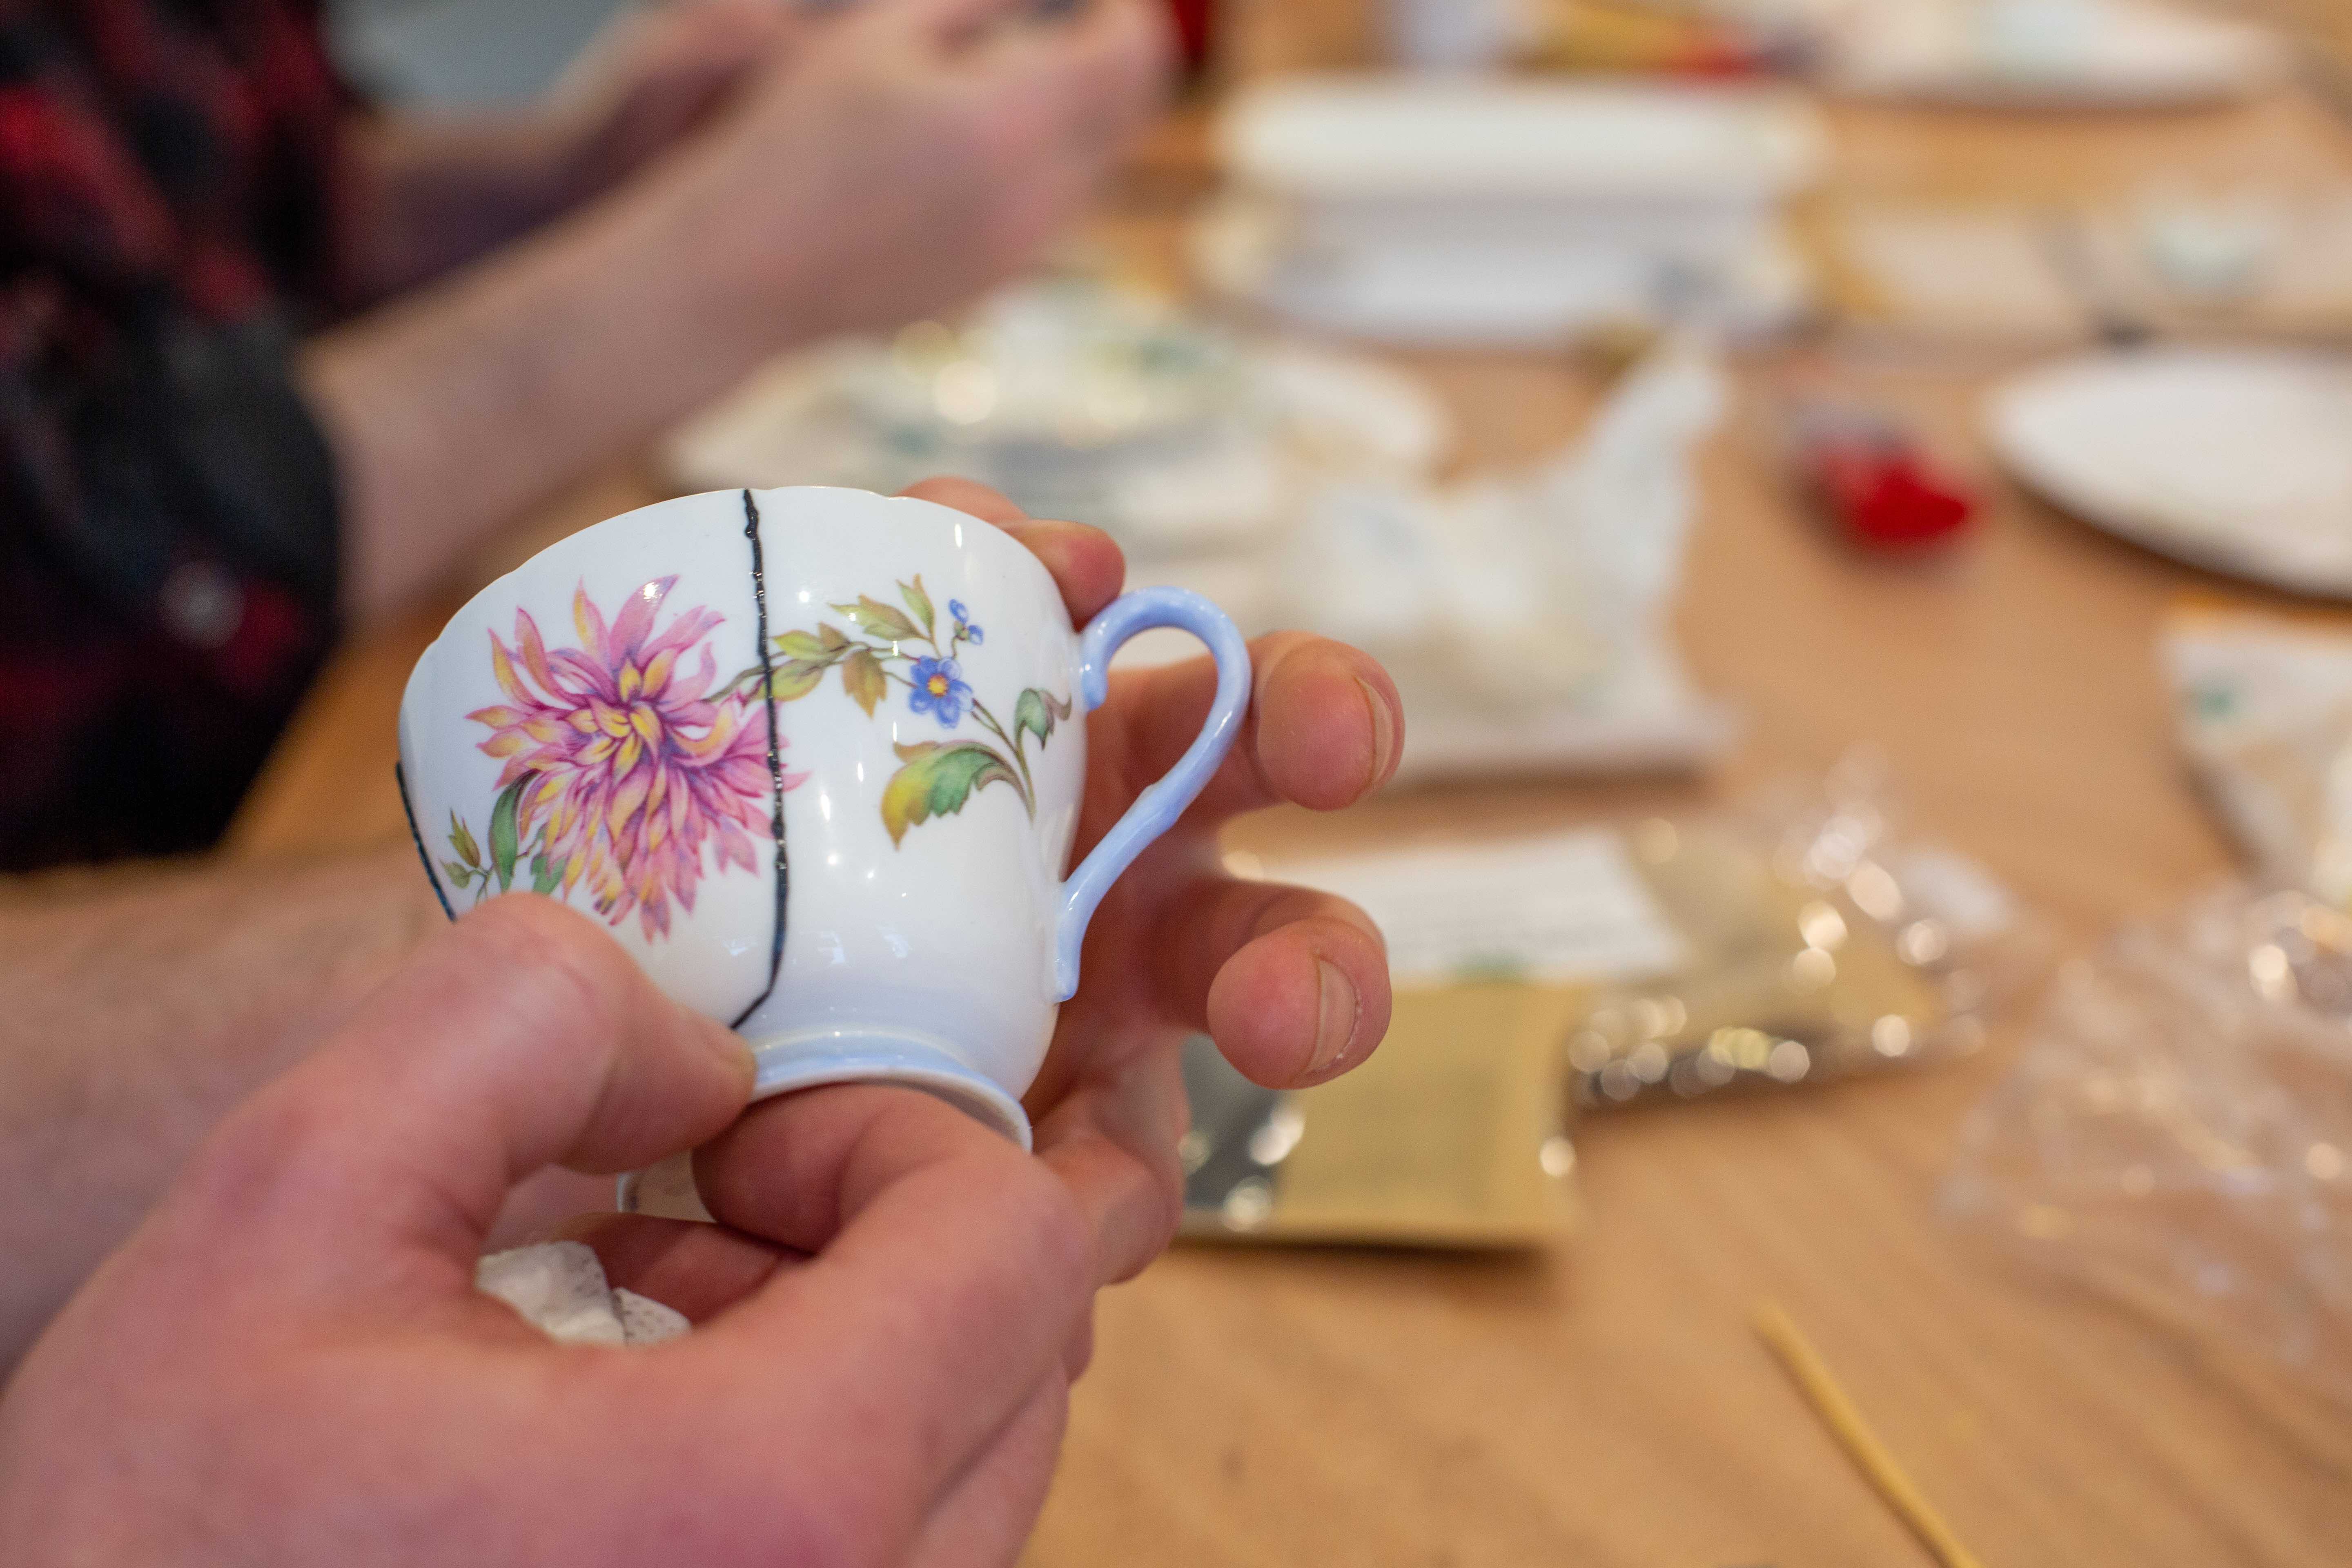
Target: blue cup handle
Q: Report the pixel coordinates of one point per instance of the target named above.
(1155, 811)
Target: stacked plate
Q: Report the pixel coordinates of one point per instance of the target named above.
(1440, 210)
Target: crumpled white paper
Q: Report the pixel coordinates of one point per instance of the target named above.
(1526, 617)
(560, 1289)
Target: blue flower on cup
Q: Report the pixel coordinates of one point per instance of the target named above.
(939, 689)
(936, 778)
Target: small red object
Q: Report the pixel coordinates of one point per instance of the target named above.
(1882, 491)
(1195, 20)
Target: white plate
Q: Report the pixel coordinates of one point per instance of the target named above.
(1204, 458)
(2051, 53)
(2235, 460)
(1439, 294)
(1483, 212)
(1481, 139)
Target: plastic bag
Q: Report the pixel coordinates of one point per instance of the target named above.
(2178, 1131)
(1821, 941)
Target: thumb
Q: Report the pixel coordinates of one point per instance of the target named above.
(521, 1037)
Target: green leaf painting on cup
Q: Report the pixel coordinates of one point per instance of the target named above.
(890, 647)
(938, 777)
(1037, 714)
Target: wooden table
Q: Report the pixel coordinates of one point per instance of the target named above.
(1606, 1403)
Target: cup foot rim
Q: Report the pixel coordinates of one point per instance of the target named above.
(810, 1060)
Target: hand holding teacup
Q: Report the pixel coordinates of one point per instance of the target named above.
(1291, 983)
(930, 767)
(890, 1315)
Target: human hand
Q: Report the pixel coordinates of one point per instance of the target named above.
(891, 160)
(655, 73)
(891, 1312)
(907, 154)
(289, 1362)
(1292, 984)
(145, 1002)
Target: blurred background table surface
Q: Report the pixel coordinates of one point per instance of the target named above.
(1606, 1403)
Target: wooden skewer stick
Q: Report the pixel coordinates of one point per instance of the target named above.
(1813, 1380)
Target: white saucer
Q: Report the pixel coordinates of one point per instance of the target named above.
(2239, 461)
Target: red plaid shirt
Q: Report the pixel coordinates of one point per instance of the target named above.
(167, 514)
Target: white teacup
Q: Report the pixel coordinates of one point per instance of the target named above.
(865, 875)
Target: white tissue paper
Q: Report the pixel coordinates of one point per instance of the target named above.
(559, 1288)
(1525, 617)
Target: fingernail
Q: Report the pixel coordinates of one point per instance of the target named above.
(1383, 734)
(1334, 1017)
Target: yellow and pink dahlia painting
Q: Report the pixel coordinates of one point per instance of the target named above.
(625, 758)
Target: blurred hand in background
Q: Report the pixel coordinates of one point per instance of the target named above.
(432, 189)
(199, 501)
(779, 179)
(945, 141)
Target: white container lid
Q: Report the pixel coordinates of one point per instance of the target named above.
(1357, 138)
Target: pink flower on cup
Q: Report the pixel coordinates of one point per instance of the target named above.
(623, 762)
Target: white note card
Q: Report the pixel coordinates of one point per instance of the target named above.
(1556, 910)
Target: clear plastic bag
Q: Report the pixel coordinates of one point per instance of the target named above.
(2178, 1131)
(1803, 938)
(1822, 941)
